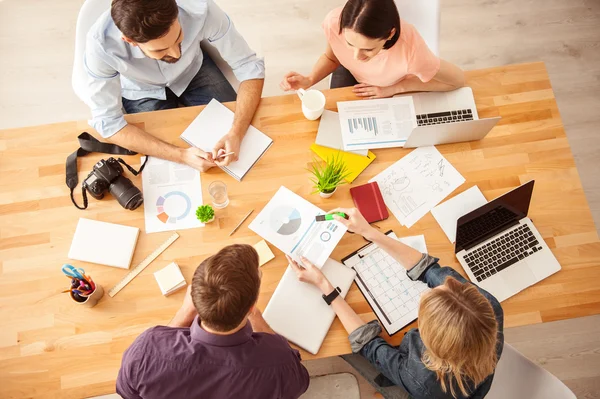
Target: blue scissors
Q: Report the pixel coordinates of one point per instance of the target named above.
(73, 272)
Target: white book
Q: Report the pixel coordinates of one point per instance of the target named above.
(170, 279)
(212, 124)
(103, 243)
(330, 133)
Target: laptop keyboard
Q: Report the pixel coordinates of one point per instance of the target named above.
(502, 252)
(484, 224)
(445, 117)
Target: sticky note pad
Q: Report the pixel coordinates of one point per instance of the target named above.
(264, 252)
(170, 279)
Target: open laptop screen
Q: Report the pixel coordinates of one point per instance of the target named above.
(495, 216)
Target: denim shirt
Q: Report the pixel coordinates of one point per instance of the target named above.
(402, 365)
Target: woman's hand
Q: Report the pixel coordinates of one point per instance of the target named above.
(355, 223)
(309, 273)
(294, 81)
(370, 91)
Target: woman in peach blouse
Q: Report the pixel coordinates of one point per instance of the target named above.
(371, 48)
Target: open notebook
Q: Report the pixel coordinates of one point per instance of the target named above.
(212, 124)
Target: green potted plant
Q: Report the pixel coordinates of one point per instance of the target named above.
(327, 177)
(205, 213)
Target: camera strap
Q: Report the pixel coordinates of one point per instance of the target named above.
(87, 145)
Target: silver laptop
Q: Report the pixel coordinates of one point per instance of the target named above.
(447, 117)
(499, 247)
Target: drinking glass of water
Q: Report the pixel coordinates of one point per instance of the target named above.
(218, 192)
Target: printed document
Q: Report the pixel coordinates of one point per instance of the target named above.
(448, 213)
(172, 193)
(378, 123)
(288, 222)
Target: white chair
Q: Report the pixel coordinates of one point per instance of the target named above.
(425, 16)
(517, 377)
(88, 15)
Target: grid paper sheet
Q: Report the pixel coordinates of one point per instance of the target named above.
(393, 296)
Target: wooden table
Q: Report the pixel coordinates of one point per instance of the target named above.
(50, 347)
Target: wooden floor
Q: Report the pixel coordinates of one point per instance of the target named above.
(565, 34)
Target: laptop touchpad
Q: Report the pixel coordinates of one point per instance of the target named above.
(518, 276)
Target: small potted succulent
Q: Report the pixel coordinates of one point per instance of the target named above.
(205, 213)
(327, 177)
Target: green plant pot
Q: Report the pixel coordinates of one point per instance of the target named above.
(327, 195)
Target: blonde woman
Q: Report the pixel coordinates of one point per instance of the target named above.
(454, 352)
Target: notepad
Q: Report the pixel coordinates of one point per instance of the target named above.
(447, 213)
(212, 124)
(330, 133)
(104, 243)
(170, 279)
(356, 163)
(264, 252)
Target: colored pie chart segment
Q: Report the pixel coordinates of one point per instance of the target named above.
(173, 206)
(285, 221)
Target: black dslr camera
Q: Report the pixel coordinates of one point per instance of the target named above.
(107, 175)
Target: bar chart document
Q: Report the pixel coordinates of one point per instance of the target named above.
(288, 222)
(379, 123)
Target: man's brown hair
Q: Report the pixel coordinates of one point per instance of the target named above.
(225, 286)
(144, 20)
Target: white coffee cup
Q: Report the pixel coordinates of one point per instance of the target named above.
(313, 103)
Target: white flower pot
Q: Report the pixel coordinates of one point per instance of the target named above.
(210, 221)
(327, 195)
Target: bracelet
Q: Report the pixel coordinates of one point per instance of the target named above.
(331, 297)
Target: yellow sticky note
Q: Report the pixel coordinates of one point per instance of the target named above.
(264, 252)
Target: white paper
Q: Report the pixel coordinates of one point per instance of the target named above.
(380, 123)
(170, 279)
(391, 293)
(288, 222)
(172, 193)
(330, 133)
(416, 183)
(212, 124)
(447, 213)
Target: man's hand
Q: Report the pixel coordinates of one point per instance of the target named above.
(309, 273)
(231, 142)
(258, 323)
(197, 159)
(370, 91)
(294, 81)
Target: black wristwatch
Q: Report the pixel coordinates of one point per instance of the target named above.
(331, 297)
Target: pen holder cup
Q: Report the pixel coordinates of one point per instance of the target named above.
(92, 299)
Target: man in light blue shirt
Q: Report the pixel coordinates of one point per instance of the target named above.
(145, 55)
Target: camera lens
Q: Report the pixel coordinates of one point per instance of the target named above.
(128, 195)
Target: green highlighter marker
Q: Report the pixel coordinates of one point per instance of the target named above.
(322, 218)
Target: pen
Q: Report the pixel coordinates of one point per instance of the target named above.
(322, 218)
(240, 223)
(225, 155)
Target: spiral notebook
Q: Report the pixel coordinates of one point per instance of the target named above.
(392, 295)
(212, 124)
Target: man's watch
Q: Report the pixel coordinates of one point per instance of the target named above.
(331, 297)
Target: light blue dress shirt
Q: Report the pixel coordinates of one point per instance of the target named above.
(117, 69)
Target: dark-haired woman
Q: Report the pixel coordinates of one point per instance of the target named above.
(371, 48)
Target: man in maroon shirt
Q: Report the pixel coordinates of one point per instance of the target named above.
(218, 345)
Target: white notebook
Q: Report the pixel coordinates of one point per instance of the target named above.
(104, 243)
(330, 133)
(212, 124)
(170, 279)
(297, 310)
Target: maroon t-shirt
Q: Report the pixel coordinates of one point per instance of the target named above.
(167, 362)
